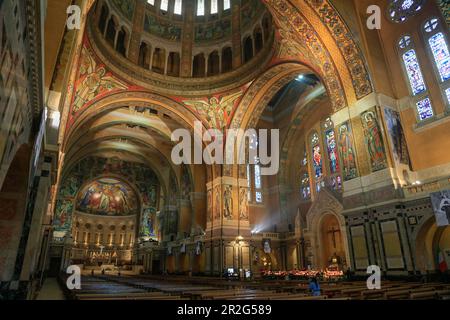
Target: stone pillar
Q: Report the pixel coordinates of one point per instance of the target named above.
(187, 40)
(228, 228)
(236, 33)
(36, 234)
(136, 32)
(185, 218)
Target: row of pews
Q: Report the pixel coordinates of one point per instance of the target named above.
(108, 287)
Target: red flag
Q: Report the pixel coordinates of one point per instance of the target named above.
(441, 262)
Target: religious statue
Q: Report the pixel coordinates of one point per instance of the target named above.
(228, 203)
(209, 207)
(217, 205)
(374, 141)
(243, 204)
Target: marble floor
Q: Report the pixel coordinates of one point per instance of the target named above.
(50, 290)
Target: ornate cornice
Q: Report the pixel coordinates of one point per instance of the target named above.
(34, 45)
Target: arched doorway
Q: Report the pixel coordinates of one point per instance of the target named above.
(331, 244)
(432, 247)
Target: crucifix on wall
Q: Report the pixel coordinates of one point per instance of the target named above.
(333, 232)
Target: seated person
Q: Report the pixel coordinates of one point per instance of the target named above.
(314, 287)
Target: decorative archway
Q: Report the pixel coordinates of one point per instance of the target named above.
(430, 242)
(323, 220)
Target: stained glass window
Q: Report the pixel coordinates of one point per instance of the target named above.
(214, 7)
(400, 10)
(404, 42)
(257, 176)
(431, 25)
(164, 5)
(226, 4)
(336, 183)
(305, 188)
(332, 150)
(317, 156)
(200, 7)
(441, 55)
(424, 109)
(305, 158)
(447, 93)
(249, 183)
(177, 7)
(258, 196)
(413, 70)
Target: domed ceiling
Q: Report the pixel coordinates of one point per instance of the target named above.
(107, 197)
(158, 44)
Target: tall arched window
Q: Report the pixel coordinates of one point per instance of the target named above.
(200, 7)
(177, 7)
(305, 184)
(437, 45)
(164, 5)
(258, 183)
(226, 4)
(254, 180)
(317, 161)
(335, 179)
(305, 187)
(214, 7)
(415, 78)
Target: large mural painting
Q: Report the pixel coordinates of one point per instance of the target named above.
(109, 197)
(106, 195)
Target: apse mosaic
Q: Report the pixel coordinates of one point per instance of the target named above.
(105, 196)
(109, 197)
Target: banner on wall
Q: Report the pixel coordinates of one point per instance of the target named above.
(441, 206)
